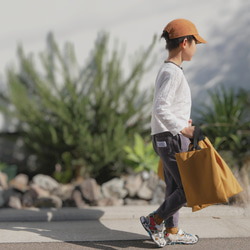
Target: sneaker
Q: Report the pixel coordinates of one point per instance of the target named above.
(156, 232)
(181, 238)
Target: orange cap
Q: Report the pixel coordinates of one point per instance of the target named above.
(182, 27)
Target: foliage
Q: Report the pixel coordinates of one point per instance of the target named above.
(78, 117)
(9, 170)
(2, 166)
(226, 120)
(142, 155)
(227, 123)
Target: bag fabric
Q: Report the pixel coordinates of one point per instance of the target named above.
(205, 176)
(160, 170)
(161, 175)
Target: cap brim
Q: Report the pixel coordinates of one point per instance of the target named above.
(199, 39)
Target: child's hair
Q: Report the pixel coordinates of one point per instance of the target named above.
(174, 43)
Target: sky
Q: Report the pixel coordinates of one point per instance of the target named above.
(133, 22)
(224, 24)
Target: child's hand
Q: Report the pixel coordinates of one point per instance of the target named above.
(188, 132)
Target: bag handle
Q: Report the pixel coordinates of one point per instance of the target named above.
(198, 136)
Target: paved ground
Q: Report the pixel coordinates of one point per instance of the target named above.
(118, 227)
(204, 244)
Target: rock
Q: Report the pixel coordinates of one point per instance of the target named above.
(27, 199)
(15, 202)
(20, 182)
(137, 189)
(77, 197)
(114, 188)
(47, 202)
(69, 203)
(64, 191)
(38, 192)
(45, 182)
(153, 181)
(90, 190)
(162, 184)
(13, 198)
(145, 192)
(56, 201)
(112, 201)
(133, 184)
(2, 200)
(158, 196)
(145, 175)
(3, 180)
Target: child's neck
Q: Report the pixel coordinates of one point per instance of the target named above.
(177, 61)
(175, 56)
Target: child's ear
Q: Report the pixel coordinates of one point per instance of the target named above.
(184, 43)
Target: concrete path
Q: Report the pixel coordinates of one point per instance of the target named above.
(115, 223)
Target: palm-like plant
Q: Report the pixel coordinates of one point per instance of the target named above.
(226, 121)
(78, 117)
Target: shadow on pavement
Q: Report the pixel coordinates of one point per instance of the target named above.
(113, 245)
(83, 228)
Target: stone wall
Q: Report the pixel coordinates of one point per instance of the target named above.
(43, 191)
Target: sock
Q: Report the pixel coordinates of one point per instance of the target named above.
(172, 230)
(158, 220)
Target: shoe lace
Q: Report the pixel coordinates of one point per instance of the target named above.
(184, 234)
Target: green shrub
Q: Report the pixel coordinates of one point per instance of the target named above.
(78, 117)
(142, 155)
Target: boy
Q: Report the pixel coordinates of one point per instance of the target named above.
(170, 128)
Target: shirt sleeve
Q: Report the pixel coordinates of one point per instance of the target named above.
(163, 104)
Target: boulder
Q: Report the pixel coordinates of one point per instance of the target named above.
(2, 199)
(153, 181)
(158, 196)
(90, 190)
(45, 182)
(13, 198)
(114, 188)
(15, 202)
(133, 184)
(64, 191)
(20, 182)
(77, 197)
(145, 192)
(38, 192)
(3, 180)
(47, 202)
(27, 199)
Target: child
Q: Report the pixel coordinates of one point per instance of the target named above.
(170, 128)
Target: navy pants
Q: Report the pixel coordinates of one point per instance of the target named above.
(166, 146)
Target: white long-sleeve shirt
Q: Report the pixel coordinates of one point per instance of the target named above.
(172, 100)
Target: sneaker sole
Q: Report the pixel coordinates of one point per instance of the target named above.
(183, 243)
(145, 225)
